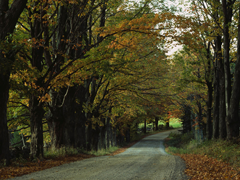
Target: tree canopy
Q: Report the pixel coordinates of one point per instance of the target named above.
(83, 73)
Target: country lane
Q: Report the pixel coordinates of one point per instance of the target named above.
(146, 160)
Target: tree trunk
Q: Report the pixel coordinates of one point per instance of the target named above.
(69, 115)
(114, 136)
(127, 134)
(36, 116)
(145, 126)
(110, 136)
(102, 141)
(95, 137)
(232, 117)
(89, 136)
(80, 130)
(218, 58)
(222, 105)
(8, 20)
(209, 91)
(187, 119)
(4, 139)
(80, 121)
(227, 11)
(167, 124)
(9, 17)
(156, 123)
(56, 125)
(107, 132)
(56, 119)
(36, 107)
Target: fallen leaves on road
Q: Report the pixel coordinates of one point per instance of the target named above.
(204, 167)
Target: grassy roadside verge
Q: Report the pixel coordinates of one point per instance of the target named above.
(62, 156)
(213, 159)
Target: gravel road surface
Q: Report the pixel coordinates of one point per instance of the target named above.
(145, 160)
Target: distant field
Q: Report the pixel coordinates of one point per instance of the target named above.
(174, 122)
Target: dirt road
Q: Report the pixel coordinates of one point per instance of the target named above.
(145, 160)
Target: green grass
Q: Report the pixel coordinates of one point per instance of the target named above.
(63, 151)
(227, 151)
(174, 122)
(102, 152)
(73, 151)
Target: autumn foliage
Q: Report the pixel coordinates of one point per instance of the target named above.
(203, 167)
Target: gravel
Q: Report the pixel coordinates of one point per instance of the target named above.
(145, 160)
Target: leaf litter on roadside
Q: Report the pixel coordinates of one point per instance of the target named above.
(204, 167)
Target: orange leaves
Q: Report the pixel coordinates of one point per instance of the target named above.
(45, 98)
(203, 167)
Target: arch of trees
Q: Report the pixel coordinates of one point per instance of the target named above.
(82, 73)
(78, 73)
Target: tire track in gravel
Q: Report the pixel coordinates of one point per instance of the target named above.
(145, 160)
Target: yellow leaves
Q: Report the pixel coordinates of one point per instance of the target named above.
(45, 98)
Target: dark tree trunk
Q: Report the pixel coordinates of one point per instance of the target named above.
(107, 132)
(56, 125)
(232, 117)
(56, 118)
(145, 126)
(114, 136)
(127, 134)
(167, 124)
(8, 20)
(36, 116)
(102, 142)
(222, 104)
(218, 58)
(209, 100)
(36, 107)
(69, 115)
(199, 119)
(81, 119)
(80, 129)
(89, 136)
(4, 139)
(216, 108)
(110, 136)
(156, 123)
(227, 11)
(9, 17)
(95, 137)
(187, 119)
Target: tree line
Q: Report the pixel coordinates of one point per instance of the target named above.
(79, 73)
(210, 68)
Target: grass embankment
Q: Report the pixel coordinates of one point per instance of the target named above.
(212, 159)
